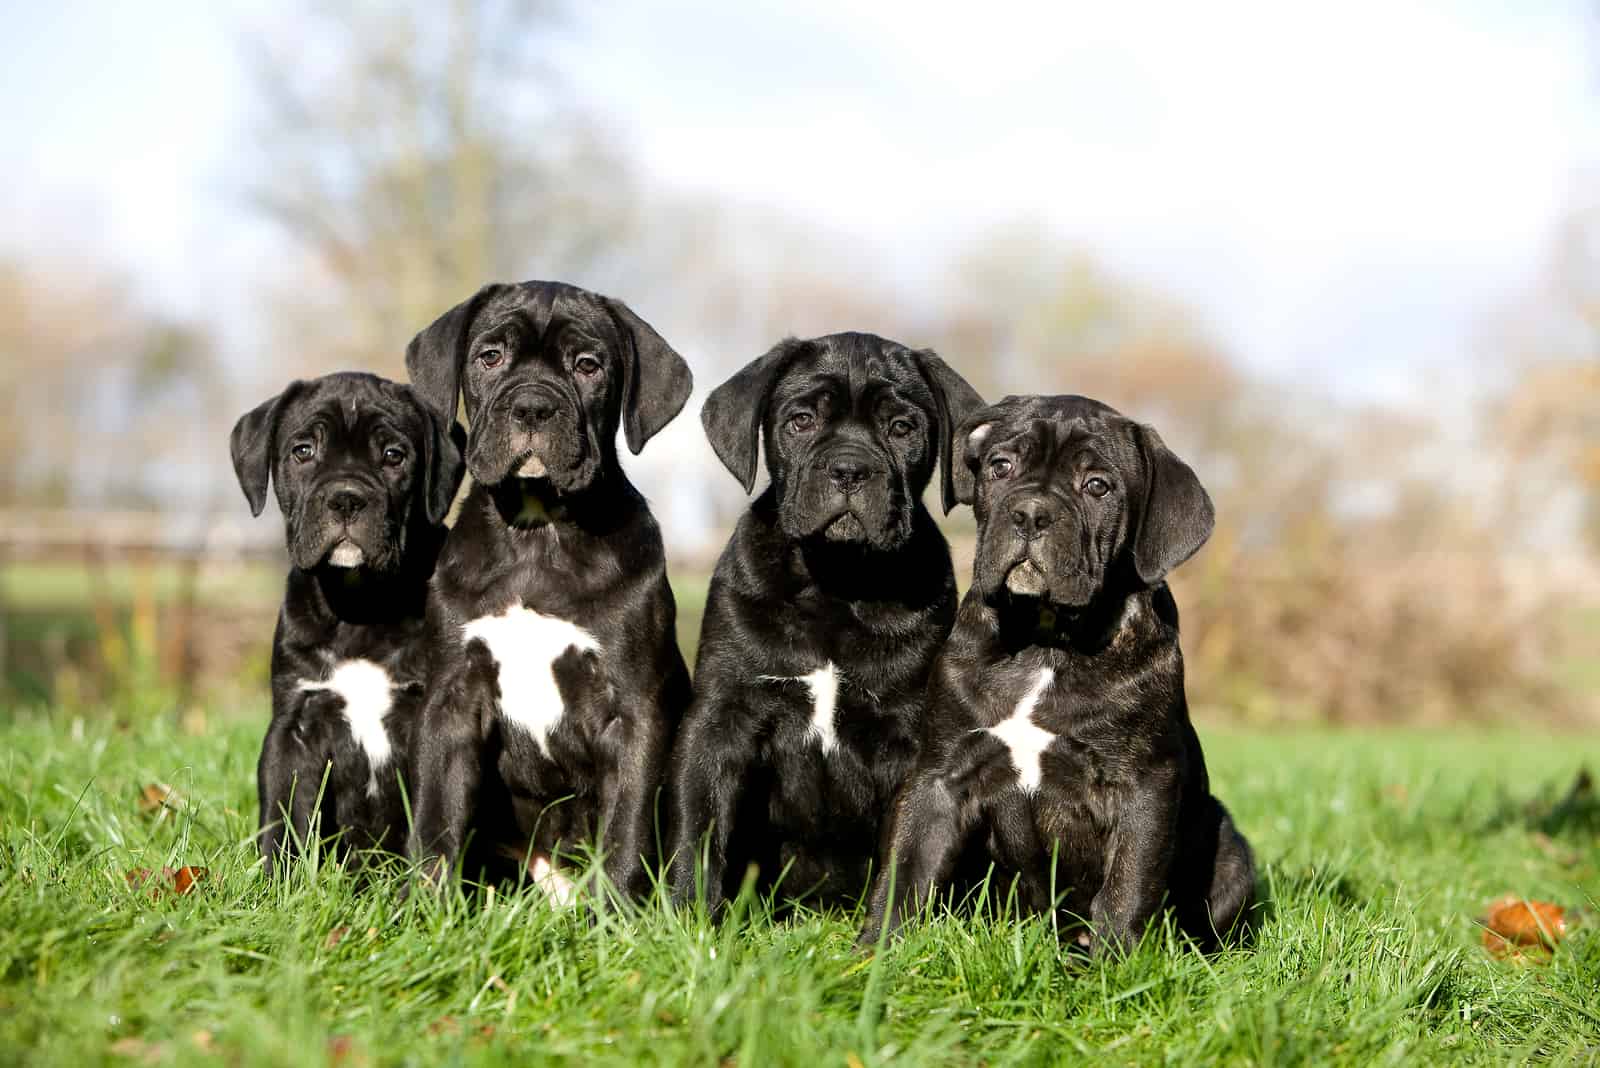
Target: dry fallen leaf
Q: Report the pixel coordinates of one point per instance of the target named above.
(155, 796)
(1513, 925)
(177, 881)
(185, 878)
(335, 936)
(139, 1049)
(342, 1050)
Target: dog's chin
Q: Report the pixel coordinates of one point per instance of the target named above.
(536, 471)
(845, 528)
(1025, 579)
(346, 554)
(343, 553)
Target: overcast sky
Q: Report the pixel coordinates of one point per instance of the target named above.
(1347, 186)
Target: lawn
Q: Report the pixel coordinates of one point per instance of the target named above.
(1377, 851)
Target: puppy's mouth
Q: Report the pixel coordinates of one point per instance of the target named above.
(346, 554)
(532, 466)
(846, 527)
(1027, 579)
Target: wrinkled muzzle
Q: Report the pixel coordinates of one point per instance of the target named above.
(848, 493)
(532, 429)
(1035, 544)
(346, 523)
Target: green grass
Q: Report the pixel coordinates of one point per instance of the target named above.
(1377, 850)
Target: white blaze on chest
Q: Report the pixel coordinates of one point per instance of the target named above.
(556, 887)
(824, 686)
(1022, 737)
(367, 692)
(525, 646)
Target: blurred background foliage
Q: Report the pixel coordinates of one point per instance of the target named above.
(1420, 561)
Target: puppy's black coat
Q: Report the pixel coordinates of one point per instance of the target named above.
(557, 680)
(364, 473)
(1057, 728)
(823, 616)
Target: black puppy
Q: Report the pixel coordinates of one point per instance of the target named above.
(1059, 744)
(365, 473)
(823, 617)
(557, 679)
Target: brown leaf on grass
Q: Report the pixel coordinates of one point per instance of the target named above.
(185, 879)
(155, 796)
(138, 1049)
(203, 1040)
(1514, 926)
(173, 881)
(342, 1049)
(335, 936)
(444, 1025)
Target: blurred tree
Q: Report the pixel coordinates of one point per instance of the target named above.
(100, 400)
(413, 152)
(1550, 416)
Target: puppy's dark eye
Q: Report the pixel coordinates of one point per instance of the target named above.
(587, 366)
(394, 456)
(491, 357)
(901, 427)
(1097, 487)
(303, 451)
(802, 421)
(1000, 467)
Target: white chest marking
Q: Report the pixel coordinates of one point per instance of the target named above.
(1026, 741)
(824, 686)
(367, 693)
(525, 646)
(556, 887)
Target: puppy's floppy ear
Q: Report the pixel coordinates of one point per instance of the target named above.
(965, 449)
(1177, 517)
(733, 413)
(436, 356)
(955, 400)
(253, 443)
(655, 379)
(443, 442)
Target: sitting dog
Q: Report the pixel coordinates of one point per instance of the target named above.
(557, 680)
(823, 617)
(364, 473)
(1059, 746)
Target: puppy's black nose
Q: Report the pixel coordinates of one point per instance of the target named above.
(346, 504)
(1032, 516)
(848, 472)
(532, 409)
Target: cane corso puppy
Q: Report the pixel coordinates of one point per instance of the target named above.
(1058, 742)
(364, 473)
(557, 680)
(824, 614)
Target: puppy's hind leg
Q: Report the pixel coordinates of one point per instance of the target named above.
(923, 845)
(1224, 916)
(446, 775)
(287, 784)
